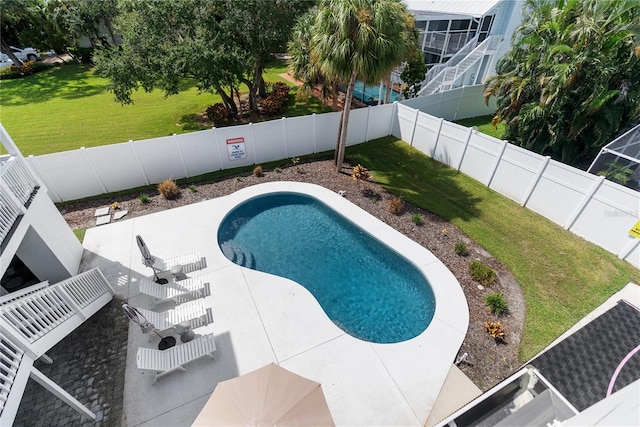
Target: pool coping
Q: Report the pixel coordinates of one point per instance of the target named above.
(260, 318)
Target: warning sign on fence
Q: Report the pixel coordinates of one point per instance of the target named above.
(235, 147)
(635, 230)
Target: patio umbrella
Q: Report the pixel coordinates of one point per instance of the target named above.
(148, 258)
(147, 327)
(267, 396)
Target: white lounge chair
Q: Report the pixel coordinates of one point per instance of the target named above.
(175, 291)
(193, 312)
(190, 262)
(162, 362)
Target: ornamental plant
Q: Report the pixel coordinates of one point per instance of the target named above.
(494, 329)
(496, 303)
(360, 173)
(480, 272)
(396, 205)
(460, 248)
(169, 189)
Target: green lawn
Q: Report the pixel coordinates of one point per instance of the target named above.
(483, 123)
(562, 276)
(68, 107)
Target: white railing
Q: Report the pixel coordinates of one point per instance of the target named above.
(445, 79)
(18, 178)
(454, 60)
(10, 358)
(9, 213)
(17, 184)
(39, 320)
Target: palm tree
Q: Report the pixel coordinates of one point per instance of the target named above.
(572, 78)
(303, 64)
(360, 40)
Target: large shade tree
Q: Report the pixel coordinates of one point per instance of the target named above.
(164, 42)
(360, 40)
(220, 43)
(571, 81)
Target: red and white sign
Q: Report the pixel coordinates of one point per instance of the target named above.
(235, 147)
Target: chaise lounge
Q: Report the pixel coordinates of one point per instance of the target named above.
(174, 291)
(163, 362)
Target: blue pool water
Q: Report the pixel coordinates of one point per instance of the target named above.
(369, 93)
(364, 287)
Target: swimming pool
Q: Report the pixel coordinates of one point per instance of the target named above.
(369, 94)
(363, 286)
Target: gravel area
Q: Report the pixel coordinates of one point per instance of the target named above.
(487, 362)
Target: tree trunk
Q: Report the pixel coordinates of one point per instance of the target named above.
(7, 50)
(335, 93)
(107, 24)
(258, 80)
(253, 95)
(388, 88)
(227, 101)
(239, 101)
(345, 121)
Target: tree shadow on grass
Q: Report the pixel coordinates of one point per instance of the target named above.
(418, 179)
(65, 82)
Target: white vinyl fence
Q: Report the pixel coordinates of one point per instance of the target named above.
(589, 206)
(598, 210)
(75, 174)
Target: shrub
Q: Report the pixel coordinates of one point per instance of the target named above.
(495, 330)
(480, 272)
(417, 219)
(496, 303)
(360, 173)
(193, 188)
(277, 170)
(257, 171)
(144, 199)
(276, 100)
(217, 113)
(461, 248)
(169, 189)
(396, 205)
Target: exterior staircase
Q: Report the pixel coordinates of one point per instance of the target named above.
(443, 76)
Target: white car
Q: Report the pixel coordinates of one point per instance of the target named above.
(26, 54)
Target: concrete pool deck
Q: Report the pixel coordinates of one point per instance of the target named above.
(261, 318)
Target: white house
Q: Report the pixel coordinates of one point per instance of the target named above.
(463, 39)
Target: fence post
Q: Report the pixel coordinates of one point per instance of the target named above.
(217, 145)
(394, 112)
(583, 203)
(253, 143)
(314, 129)
(93, 169)
(415, 124)
(284, 137)
(628, 248)
(135, 155)
(366, 128)
(184, 166)
(435, 146)
(472, 130)
(497, 163)
(536, 179)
